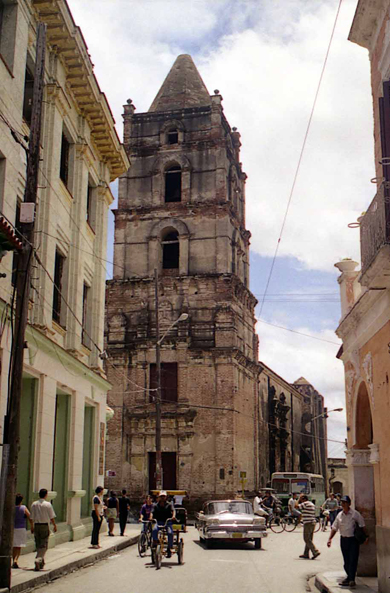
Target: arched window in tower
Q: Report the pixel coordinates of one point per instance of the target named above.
(173, 136)
(173, 184)
(170, 251)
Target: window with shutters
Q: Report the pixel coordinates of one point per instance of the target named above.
(64, 162)
(173, 184)
(169, 389)
(8, 22)
(59, 310)
(86, 319)
(90, 213)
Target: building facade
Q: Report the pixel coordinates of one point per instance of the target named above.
(180, 235)
(338, 478)
(314, 449)
(365, 322)
(63, 408)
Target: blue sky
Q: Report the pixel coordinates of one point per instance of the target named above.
(265, 57)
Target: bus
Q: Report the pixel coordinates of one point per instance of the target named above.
(286, 483)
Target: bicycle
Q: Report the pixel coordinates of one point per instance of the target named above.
(161, 549)
(145, 539)
(291, 522)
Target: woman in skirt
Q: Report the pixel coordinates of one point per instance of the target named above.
(20, 532)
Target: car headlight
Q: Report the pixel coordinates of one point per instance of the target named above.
(213, 522)
(258, 521)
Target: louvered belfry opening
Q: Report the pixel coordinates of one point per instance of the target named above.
(171, 251)
(173, 184)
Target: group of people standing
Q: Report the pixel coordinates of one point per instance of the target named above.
(112, 508)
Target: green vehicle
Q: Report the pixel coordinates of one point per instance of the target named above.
(285, 483)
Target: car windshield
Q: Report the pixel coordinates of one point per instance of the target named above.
(229, 507)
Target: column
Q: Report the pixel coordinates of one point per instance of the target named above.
(361, 479)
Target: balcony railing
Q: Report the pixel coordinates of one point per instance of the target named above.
(375, 228)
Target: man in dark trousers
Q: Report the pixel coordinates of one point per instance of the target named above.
(345, 522)
(162, 511)
(124, 507)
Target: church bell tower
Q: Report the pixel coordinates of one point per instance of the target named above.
(180, 229)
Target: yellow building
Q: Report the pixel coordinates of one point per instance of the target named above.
(365, 323)
(64, 386)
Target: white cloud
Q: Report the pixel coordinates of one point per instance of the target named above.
(293, 356)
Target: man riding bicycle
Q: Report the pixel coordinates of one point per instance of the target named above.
(162, 511)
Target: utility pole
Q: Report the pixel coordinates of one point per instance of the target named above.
(11, 437)
(159, 482)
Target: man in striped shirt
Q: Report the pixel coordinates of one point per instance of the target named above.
(308, 511)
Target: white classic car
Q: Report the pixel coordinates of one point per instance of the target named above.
(230, 520)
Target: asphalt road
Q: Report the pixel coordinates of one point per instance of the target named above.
(232, 568)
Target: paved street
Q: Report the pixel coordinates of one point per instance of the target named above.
(222, 569)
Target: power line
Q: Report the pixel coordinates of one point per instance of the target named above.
(299, 333)
(300, 157)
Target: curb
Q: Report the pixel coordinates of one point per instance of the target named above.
(55, 573)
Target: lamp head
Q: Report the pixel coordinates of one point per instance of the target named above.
(183, 317)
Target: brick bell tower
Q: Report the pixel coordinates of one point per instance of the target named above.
(181, 212)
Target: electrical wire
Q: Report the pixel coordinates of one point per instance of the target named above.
(299, 333)
(300, 157)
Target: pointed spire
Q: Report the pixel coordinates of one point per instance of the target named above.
(183, 87)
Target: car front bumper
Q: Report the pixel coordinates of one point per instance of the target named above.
(236, 535)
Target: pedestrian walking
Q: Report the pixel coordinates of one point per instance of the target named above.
(124, 507)
(346, 522)
(42, 514)
(308, 511)
(331, 504)
(97, 516)
(112, 512)
(20, 533)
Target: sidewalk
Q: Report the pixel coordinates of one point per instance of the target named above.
(68, 557)
(328, 582)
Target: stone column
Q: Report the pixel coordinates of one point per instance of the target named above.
(361, 474)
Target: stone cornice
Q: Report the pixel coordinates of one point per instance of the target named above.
(360, 323)
(67, 41)
(368, 17)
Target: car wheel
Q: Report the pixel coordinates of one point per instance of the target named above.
(258, 544)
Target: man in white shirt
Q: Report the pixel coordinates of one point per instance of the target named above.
(345, 522)
(292, 505)
(42, 514)
(257, 508)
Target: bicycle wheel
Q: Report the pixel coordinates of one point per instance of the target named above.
(277, 524)
(142, 544)
(158, 557)
(317, 526)
(290, 523)
(180, 551)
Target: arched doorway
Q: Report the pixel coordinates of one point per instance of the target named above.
(362, 477)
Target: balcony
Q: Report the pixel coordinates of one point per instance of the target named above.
(375, 242)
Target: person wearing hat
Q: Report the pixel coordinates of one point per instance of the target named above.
(345, 522)
(161, 511)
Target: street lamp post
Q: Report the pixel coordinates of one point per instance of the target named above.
(183, 317)
(313, 443)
